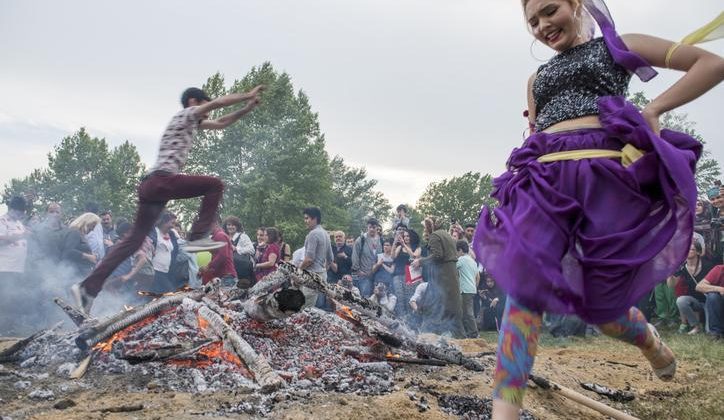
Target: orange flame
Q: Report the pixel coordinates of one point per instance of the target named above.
(346, 313)
(203, 324)
(392, 355)
(106, 346)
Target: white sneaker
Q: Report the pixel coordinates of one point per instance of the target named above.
(83, 300)
(203, 244)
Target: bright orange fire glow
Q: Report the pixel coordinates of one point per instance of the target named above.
(203, 324)
(214, 351)
(346, 313)
(106, 346)
(390, 354)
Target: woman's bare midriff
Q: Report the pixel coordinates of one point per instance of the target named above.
(589, 121)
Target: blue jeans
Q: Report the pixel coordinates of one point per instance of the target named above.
(688, 308)
(364, 284)
(715, 312)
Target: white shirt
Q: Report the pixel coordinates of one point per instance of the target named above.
(12, 254)
(95, 241)
(244, 244)
(298, 257)
(162, 257)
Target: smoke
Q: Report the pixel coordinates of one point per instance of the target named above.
(26, 300)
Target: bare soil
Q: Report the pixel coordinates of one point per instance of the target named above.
(696, 392)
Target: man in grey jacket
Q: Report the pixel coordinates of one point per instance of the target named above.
(364, 257)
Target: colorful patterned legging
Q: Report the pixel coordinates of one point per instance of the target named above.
(518, 342)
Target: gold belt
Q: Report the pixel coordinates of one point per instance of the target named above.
(628, 155)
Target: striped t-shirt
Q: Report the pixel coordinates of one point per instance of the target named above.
(176, 141)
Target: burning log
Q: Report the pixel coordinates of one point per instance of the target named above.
(160, 354)
(99, 332)
(78, 317)
(263, 372)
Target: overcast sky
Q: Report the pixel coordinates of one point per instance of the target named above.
(414, 90)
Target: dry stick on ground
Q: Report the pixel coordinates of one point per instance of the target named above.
(257, 363)
(412, 361)
(580, 398)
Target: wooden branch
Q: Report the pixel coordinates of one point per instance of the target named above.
(617, 395)
(580, 398)
(257, 363)
(429, 362)
(75, 315)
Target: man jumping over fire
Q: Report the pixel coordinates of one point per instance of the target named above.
(164, 182)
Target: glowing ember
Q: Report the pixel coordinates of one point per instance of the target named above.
(346, 313)
(203, 324)
(392, 355)
(106, 346)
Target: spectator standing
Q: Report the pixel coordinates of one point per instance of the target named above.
(492, 304)
(713, 287)
(109, 230)
(95, 237)
(77, 255)
(242, 247)
(342, 263)
(317, 252)
(364, 256)
(165, 254)
(13, 243)
(385, 266)
(443, 289)
(222, 260)
(469, 278)
(267, 262)
(401, 218)
(285, 251)
(406, 250)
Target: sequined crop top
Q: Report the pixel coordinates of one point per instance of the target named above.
(569, 85)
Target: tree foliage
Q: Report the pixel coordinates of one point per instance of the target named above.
(708, 170)
(82, 169)
(459, 198)
(273, 163)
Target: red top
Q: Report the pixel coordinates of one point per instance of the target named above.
(270, 249)
(715, 276)
(222, 260)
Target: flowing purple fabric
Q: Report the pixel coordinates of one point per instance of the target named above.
(620, 53)
(591, 237)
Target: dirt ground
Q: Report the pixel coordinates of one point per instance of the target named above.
(697, 391)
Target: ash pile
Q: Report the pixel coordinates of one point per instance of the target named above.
(216, 339)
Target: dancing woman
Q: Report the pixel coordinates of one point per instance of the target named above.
(597, 206)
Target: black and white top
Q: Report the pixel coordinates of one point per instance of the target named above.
(176, 141)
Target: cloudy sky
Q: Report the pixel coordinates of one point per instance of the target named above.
(414, 90)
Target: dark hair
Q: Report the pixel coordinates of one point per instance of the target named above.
(18, 203)
(92, 207)
(108, 212)
(233, 220)
(193, 93)
(272, 235)
(401, 225)
(472, 225)
(414, 238)
(289, 300)
(697, 246)
(373, 221)
(388, 241)
(122, 228)
(166, 217)
(402, 207)
(314, 213)
(462, 246)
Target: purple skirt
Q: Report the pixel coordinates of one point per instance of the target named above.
(590, 237)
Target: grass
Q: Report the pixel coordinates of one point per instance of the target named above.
(700, 395)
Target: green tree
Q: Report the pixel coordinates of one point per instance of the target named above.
(708, 170)
(82, 169)
(355, 198)
(459, 198)
(272, 161)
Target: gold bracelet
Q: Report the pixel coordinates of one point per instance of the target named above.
(670, 53)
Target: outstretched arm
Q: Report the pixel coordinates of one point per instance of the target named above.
(704, 70)
(230, 118)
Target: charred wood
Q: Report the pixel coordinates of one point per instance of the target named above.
(75, 315)
(413, 361)
(257, 363)
(617, 395)
(105, 329)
